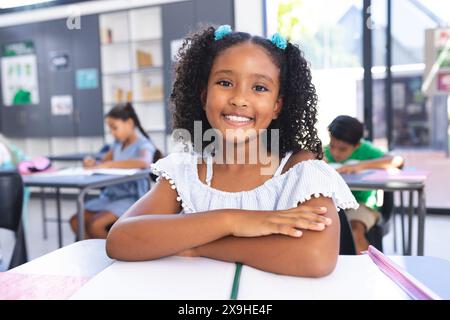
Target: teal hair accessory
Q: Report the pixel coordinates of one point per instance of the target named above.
(222, 31)
(278, 40)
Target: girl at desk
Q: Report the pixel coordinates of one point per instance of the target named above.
(278, 213)
(131, 149)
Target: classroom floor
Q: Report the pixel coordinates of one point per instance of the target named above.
(437, 235)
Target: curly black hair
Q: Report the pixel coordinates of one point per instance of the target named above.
(298, 116)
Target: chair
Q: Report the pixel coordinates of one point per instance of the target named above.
(11, 203)
(347, 244)
(158, 155)
(382, 227)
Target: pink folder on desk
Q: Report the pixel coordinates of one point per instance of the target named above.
(18, 286)
(398, 175)
(413, 287)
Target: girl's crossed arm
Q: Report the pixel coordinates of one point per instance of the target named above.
(263, 239)
(314, 254)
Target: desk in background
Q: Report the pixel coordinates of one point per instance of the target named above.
(75, 156)
(355, 277)
(84, 183)
(382, 180)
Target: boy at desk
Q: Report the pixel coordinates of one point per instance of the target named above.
(349, 153)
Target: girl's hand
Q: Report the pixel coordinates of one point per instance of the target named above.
(89, 162)
(286, 222)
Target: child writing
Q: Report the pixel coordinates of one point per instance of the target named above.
(130, 150)
(211, 205)
(356, 154)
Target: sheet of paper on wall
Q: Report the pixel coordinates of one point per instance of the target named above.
(87, 78)
(173, 278)
(19, 79)
(59, 61)
(62, 105)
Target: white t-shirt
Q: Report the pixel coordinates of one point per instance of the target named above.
(310, 178)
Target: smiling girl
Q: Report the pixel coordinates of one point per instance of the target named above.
(209, 204)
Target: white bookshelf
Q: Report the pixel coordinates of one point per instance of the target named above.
(132, 66)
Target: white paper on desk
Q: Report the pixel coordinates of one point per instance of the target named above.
(79, 171)
(76, 171)
(355, 277)
(170, 278)
(114, 171)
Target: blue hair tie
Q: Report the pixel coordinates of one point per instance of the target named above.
(278, 40)
(222, 31)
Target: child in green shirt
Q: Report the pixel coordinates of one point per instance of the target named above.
(355, 154)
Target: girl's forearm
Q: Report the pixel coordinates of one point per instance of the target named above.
(125, 164)
(381, 163)
(308, 256)
(314, 254)
(147, 237)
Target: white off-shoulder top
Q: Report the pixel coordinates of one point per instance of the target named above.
(306, 179)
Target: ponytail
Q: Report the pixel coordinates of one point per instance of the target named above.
(127, 112)
(129, 108)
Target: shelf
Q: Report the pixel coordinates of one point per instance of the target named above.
(132, 64)
(146, 54)
(154, 116)
(116, 88)
(114, 27)
(145, 104)
(148, 86)
(145, 23)
(126, 42)
(116, 59)
(128, 72)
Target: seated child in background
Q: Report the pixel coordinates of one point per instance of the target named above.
(131, 149)
(356, 154)
(10, 155)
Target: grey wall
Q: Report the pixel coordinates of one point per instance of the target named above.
(82, 46)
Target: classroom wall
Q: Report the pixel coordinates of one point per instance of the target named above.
(244, 21)
(252, 23)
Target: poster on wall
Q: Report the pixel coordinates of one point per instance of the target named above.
(62, 105)
(86, 79)
(59, 61)
(19, 74)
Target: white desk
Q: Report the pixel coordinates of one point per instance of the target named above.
(355, 277)
(395, 183)
(83, 258)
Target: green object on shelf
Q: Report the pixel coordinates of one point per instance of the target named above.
(22, 97)
(236, 280)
